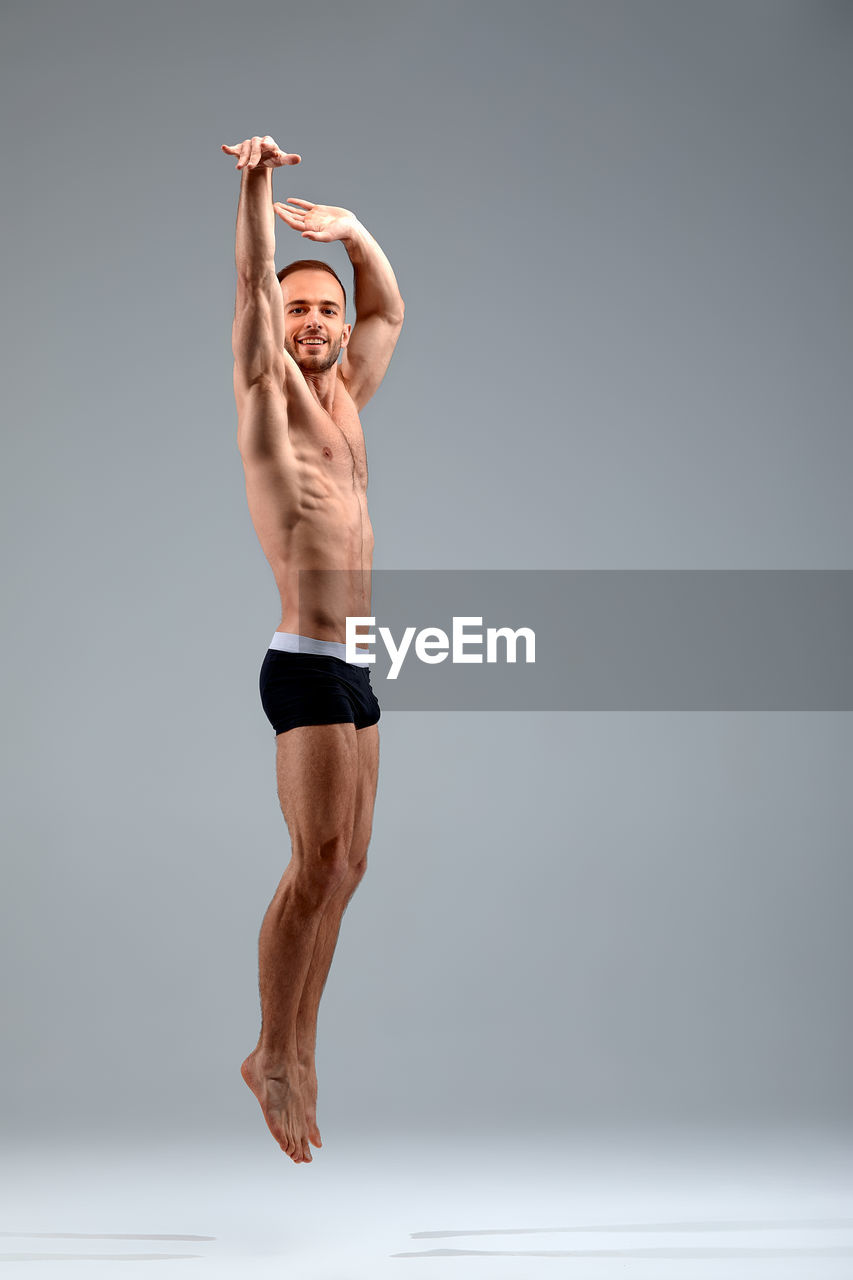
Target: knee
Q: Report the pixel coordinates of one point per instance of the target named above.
(357, 867)
(358, 855)
(321, 868)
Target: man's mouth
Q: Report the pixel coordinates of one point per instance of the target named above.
(311, 342)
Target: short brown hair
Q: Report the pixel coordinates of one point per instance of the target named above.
(311, 264)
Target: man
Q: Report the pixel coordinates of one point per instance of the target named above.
(304, 459)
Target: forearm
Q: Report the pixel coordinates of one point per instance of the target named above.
(255, 245)
(376, 291)
(258, 331)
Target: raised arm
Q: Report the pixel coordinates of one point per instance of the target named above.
(257, 337)
(378, 305)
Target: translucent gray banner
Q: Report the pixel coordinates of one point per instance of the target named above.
(615, 640)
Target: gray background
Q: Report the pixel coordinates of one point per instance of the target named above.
(622, 234)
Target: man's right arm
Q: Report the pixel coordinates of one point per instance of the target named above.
(257, 337)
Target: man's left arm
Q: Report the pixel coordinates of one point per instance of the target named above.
(378, 305)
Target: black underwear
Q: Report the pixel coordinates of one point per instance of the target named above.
(306, 688)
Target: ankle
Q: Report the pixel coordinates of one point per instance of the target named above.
(275, 1058)
(305, 1053)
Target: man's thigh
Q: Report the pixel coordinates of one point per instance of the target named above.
(317, 770)
(367, 742)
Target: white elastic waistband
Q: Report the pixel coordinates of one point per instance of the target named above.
(292, 643)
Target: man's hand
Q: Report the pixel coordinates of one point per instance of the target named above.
(317, 221)
(260, 153)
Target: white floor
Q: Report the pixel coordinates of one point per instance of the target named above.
(415, 1206)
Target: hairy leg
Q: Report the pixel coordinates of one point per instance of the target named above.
(317, 774)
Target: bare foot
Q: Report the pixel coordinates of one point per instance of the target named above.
(279, 1091)
(308, 1080)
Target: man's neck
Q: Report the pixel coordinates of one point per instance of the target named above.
(322, 385)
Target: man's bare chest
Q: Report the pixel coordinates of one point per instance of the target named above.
(334, 441)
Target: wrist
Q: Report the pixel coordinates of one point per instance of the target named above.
(251, 176)
(356, 239)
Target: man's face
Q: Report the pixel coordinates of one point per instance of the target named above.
(314, 328)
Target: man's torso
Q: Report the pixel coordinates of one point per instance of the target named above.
(306, 486)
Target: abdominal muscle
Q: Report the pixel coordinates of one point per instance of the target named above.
(314, 528)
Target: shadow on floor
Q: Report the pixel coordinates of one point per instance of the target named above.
(789, 1224)
(807, 1224)
(93, 1257)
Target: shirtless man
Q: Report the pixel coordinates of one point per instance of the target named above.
(303, 454)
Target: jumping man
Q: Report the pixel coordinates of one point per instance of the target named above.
(303, 453)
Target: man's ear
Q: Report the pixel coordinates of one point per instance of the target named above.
(345, 335)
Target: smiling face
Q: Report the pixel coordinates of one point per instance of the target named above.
(314, 328)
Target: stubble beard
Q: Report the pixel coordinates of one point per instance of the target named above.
(314, 363)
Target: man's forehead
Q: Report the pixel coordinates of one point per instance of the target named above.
(312, 286)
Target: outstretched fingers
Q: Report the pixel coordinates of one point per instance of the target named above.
(296, 214)
(260, 151)
(287, 216)
(298, 219)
